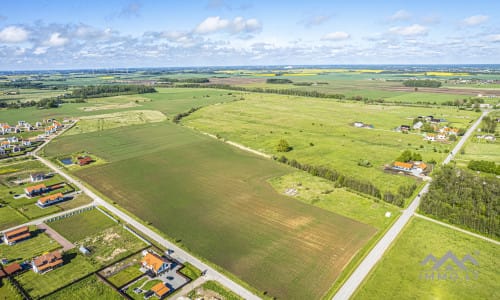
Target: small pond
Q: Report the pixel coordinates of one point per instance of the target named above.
(66, 161)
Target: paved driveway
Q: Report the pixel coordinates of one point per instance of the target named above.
(67, 245)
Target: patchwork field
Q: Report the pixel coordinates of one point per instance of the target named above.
(321, 132)
(197, 193)
(399, 273)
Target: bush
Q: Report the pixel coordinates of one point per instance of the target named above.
(283, 146)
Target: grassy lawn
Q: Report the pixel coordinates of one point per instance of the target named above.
(88, 289)
(398, 274)
(84, 224)
(77, 201)
(190, 271)
(75, 266)
(137, 284)
(29, 248)
(221, 290)
(32, 211)
(125, 275)
(242, 223)
(322, 193)
(7, 291)
(9, 217)
(321, 132)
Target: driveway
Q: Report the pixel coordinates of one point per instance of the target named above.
(67, 245)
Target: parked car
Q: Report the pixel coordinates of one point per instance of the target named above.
(138, 290)
(148, 295)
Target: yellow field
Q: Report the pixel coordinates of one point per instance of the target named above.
(446, 74)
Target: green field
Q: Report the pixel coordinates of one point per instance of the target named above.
(9, 217)
(88, 289)
(7, 291)
(125, 275)
(398, 274)
(87, 223)
(37, 245)
(184, 183)
(321, 132)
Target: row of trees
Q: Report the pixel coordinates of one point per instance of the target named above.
(466, 199)
(422, 83)
(94, 91)
(178, 117)
(357, 185)
(489, 124)
(278, 80)
(185, 80)
(484, 166)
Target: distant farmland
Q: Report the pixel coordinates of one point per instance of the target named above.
(216, 201)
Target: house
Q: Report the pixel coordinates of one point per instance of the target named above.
(21, 123)
(441, 136)
(419, 166)
(84, 160)
(4, 129)
(12, 269)
(430, 137)
(358, 124)
(13, 139)
(56, 124)
(418, 125)
(2, 151)
(35, 190)
(154, 263)
(16, 235)
(38, 124)
(16, 149)
(26, 143)
(489, 137)
(405, 128)
(5, 144)
(35, 177)
(402, 166)
(160, 290)
(47, 262)
(50, 199)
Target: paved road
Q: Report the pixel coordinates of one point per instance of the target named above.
(364, 268)
(179, 254)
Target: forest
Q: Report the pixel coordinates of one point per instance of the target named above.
(95, 91)
(422, 83)
(463, 198)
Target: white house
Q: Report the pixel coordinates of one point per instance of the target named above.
(418, 125)
(154, 263)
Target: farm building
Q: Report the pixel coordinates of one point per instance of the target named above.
(50, 199)
(35, 190)
(16, 235)
(154, 263)
(160, 290)
(47, 262)
(402, 166)
(416, 168)
(85, 160)
(35, 177)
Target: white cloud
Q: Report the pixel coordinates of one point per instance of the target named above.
(13, 34)
(315, 20)
(475, 20)
(238, 25)
(411, 30)
(400, 15)
(40, 50)
(56, 40)
(336, 36)
(494, 38)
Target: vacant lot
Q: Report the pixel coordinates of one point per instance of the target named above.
(397, 276)
(84, 224)
(217, 202)
(9, 217)
(321, 132)
(88, 289)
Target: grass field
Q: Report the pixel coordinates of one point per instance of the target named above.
(397, 275)
(9, 217)
(88, 289)
(190, 271)
(87, 223)
(75, 267)
(321, 132)
(7, 291)
(197, 193)
(38, 244)
(125, 275)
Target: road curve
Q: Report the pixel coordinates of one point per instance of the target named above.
(364, 268)
(178, 254)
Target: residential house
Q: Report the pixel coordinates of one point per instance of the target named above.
(16, 235)
(38, 124)
(160, 290)
(154, 263)
(404, 128)
(430, 137)
(35, 190)
(4, 129)
(26, 143)
(5, 144)
(490, 138)
(21, 123)
(418, 125)
(441, 137)
(414, 167)
(84, 160)
(402, 166)
(419, 166)
(56, 124)
(50, 199)
(12, 269)
(13, 139)
(16, 149)
(35, 177)
(47, 262)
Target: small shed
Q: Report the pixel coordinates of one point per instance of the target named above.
(84, 250)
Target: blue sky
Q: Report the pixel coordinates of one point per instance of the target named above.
(60, 34)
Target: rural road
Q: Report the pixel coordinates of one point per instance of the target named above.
(364, 268)
(178, 254)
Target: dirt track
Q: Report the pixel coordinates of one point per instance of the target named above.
(67, 245)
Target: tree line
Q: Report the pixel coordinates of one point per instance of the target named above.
(465, 199)
(361, 186)
(94, 91)
(484, 166)
(177, 118)
(186, 80)
(278, 80)
(422, 83)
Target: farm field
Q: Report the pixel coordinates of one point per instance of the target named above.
(321, 132)
(206, 189)
(397, 275)
(88, 289)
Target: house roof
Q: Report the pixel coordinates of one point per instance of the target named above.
(12, 268)
(35, 187)
(403, 165)
(37, 174)
(423, 166)
(17, 231)
(18, 237)
(48, 260)
(153, 260)
(49, 198)
(160, 289)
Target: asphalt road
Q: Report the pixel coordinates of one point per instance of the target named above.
(364, 268)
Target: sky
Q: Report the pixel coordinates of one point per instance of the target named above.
(61, 34)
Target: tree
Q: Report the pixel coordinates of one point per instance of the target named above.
(283, 146)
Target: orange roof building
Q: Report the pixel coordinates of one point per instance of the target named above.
(160, 290)
(35, 189)
(12, 269)
(16, 235)
(50, 199)
(403, 166)
(154, 262)
(47, 262)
